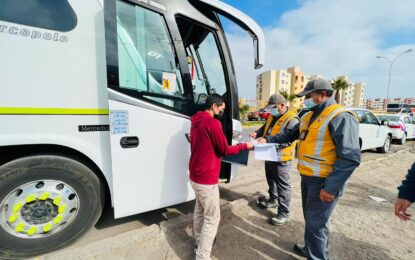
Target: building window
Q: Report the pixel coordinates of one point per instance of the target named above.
(55, 15)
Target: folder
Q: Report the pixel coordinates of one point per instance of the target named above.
(241, 158)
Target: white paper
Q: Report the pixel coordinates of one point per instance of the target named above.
(169, 82)
(377, 199)
(265, 152)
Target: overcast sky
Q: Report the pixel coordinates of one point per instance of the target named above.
(330, 38)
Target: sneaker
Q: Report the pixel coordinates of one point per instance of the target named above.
(299, 249)
(279, 220)
(267, 203)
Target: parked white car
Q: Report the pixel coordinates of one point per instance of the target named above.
(401, 126)
(372, 133)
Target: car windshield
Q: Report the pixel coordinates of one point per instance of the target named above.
(388, 118)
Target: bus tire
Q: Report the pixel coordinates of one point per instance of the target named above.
(53, 201)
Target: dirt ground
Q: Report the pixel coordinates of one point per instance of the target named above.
(360, 227)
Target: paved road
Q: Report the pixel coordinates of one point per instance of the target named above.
(108, 226)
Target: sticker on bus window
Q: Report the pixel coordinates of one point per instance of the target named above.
(169, 82)
(119, 122)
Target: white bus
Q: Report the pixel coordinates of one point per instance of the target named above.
(95, 102)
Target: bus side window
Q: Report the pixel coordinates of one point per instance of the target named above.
(200, 92)
(55, 15)
(147, 61)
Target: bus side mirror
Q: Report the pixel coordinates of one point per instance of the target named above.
(385, 123)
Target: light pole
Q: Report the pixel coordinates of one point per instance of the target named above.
(390, 68)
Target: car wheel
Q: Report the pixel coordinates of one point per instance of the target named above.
(46, 202)
(386, 146)
(403, 139)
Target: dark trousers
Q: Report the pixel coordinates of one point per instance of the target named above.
(316, 214)
(278, 178)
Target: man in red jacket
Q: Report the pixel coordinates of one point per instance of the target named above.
(208, 145)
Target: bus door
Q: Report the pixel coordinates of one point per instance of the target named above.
(149, 111)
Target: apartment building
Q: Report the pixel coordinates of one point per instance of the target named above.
(271, 82)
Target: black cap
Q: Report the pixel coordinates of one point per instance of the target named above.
(275, 99)
(314, 85)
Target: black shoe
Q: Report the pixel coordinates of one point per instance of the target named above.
(279, 220)
(300, 250)
(267, 203)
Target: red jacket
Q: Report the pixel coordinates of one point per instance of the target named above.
(208, 144)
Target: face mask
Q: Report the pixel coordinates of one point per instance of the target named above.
(274, 111)
(309, 103)
(220, 115)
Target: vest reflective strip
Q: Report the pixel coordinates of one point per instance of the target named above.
(284, 124)
(321, 138)
(305, 163)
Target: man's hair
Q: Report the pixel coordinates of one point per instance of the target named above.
(329, 93)
(213, 99)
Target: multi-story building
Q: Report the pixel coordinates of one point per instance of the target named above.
(375, 104)
(298, 82)
(293, 81)
(353, 95)
(382, 104)
(359, 94)
(271, 82)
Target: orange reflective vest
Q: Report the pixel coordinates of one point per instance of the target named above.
(316, 148)
(288, 153)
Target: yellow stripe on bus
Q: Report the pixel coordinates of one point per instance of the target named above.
(52, 111)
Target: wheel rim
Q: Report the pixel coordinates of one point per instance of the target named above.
(39, 209)
(387, 144)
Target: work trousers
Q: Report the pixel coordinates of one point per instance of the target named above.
(206, 218)
(279, 186)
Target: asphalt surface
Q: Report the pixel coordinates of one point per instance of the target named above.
(107, 226)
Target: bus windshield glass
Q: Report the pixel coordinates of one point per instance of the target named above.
(205, 61)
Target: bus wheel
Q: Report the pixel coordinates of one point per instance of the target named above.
(46, 202)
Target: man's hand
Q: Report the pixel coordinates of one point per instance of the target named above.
(400, 209)
(326, 196)
(253, 135)
(250, 145)
(261, 140)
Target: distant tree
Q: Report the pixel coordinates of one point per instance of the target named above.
(289, 97)
(243, 110)
(339, 84)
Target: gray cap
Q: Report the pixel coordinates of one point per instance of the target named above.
(314, 85)
(275, 99)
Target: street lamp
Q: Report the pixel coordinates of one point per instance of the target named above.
(390, 68)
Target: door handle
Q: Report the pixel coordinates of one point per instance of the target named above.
(187, 136)
(129, 142)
